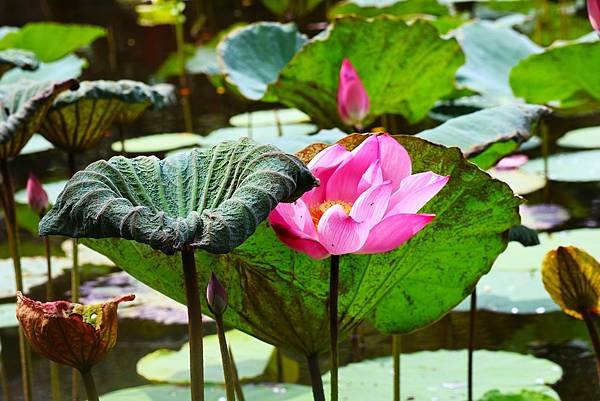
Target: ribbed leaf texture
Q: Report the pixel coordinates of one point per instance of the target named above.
(78, 120)
(23, 105)
(211, 199)
(22, 59)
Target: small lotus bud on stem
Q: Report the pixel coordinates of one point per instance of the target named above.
(37, 198)
(216, 296)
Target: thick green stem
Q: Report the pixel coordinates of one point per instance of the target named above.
(591, 327)
(195, 324)
(315, 377)
(90, 386)
(12, 236)
(183, 83)
(334, 278)
(396, 351)
(239, 393)
(75, 280)
(226, 359)
(473, 315)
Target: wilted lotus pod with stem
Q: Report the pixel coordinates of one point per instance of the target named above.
(572, 278)
(209, 199)
(71, 334)
(22, 108)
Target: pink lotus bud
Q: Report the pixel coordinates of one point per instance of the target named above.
(36, 195)
(216, 296)
(594, 14)
(352, 98)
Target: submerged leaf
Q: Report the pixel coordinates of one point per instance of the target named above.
(572, 278)
(211, 199)
(22, 59)
(78, 119)
(23, 106)
(281, 296)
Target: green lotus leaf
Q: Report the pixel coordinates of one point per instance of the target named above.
(374, 8)
(491, 51)
(22, 59)
(567, 167)
(78, 119)
(23, 106)
(296, 8)
(281, 296)
(158, 143)
(404, 68)
(253, 56)
(560, 77)
(211, 199)
(51, 41)
(490, 134)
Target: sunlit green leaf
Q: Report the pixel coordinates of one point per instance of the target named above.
(296, 8)
(524, 395)
(374, 8)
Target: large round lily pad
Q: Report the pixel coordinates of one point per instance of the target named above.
(36, 144)
(166, 366)
(581, 138)
(524, 395)
(442, 375)
(265, 134)
(252, 392)
(269, 118)
(568, 167)
(281, 296)
(8, 316)
(520, 181)
(157, 143)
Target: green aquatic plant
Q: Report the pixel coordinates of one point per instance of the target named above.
(22, 59)
(210, 199)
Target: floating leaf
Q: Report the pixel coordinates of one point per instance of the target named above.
(8, 316)
(23, 106)
(211, 199)
(434, 375)
(253, 56)
(69, 67)
(404, 68)
(36, 144)
(567, 166)
(560, 77)
(166, 366)
(524, 395)
(581, 138)
(22, 59)
(281, 296)
(252, 392)
(572, 278)
(374, 8)
(51, 41)
(489, 134)
(491, 51)
(267, 118)
(78, 119)
(258, 134)
(520, 181)
(157, 143)
(543, 216)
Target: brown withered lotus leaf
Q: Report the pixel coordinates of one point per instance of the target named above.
(572, 278)
(23, 106)
(78, 120)
(72, 334)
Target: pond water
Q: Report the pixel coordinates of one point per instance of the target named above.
(137, 53)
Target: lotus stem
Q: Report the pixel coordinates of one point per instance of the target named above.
(278, 123)
(315, 377)
(473, 315)
(239, 392)
(183, 83)
(591, 327)
(4, 381)
(75, 279)
(12, 235)
(90, 386)
(195, 324)
(54, 374)
(396, 351)
(279, 363)
(334, 278)
(225, 358)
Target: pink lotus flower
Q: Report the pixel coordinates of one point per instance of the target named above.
(367, 201)
(352, 98)
(36, 195)
(594, 14)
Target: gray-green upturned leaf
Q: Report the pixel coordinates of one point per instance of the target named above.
(281, 296)
(23, 106)
(561, 77)
(253, 56)
(22, 59)
(68, 67)
(489, 134)
(211, 199)
(78, 119)
(404, 68)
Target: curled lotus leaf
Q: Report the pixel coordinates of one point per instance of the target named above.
(79, 119)
(572, 278)
(211, 199)
(281, 296)
(23, 106)
(22, 59)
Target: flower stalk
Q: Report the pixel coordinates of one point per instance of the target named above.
(195, 329)
(90, 386)
(334, 279)
(473, 316)
(315, 377)
(75, 277)
(396, 352)
(591, 327)
(239, 392)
